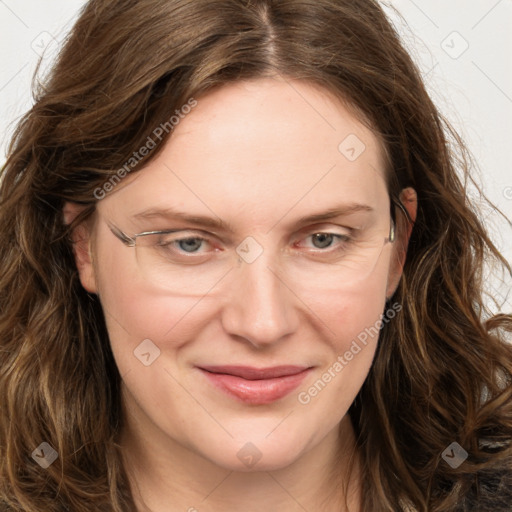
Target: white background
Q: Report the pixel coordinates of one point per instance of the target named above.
(463, 48)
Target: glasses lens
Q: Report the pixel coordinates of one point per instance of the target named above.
(188, 266)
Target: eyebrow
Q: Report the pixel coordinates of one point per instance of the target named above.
(170, 213)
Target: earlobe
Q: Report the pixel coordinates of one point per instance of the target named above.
(403, 230)
(81, 244)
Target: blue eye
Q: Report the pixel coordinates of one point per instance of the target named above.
(190, 244)
(323, 240)
(320, 241)
(192, 248)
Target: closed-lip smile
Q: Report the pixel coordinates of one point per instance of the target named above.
(257, 386)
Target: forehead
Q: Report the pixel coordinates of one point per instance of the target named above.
(259, 150)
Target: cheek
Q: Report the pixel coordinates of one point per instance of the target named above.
(136, 313)
(355, 319)
(345, 312)
(351, 322)
(357, 329)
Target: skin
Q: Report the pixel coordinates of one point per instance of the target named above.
(182, 435)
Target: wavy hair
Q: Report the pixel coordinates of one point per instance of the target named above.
(442, 370)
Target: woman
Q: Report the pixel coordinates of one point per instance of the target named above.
(240, 271)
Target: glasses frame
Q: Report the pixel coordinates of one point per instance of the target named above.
(131, 241)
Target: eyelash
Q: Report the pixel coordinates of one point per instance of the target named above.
(342, 238)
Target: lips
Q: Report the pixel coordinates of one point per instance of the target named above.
(256, 386)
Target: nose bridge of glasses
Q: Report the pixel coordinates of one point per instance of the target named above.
(258, 275)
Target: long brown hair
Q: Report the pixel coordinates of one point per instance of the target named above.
(442, 371)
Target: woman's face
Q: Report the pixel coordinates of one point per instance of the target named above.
(262, 291)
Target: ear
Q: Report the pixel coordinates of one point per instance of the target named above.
(81, 237)
(403, 230)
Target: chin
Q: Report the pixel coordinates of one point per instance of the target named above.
(259, 454)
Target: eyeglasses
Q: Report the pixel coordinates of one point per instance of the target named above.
(169, 259)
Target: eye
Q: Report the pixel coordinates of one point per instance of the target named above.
(189, 245)
(324, 240)
(174, 246)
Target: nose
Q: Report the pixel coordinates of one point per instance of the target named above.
(259, 306)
